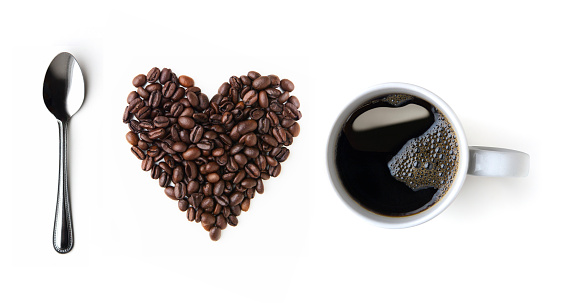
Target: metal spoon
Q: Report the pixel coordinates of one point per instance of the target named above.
(64, 91)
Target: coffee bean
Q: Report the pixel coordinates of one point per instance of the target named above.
(224, 89)
(177, 174)
(232, 220)
(143, 113)
(190, 214)
(153, 75)
(251, 97)
(186, 81)
(186, 122)
(222, 200)
(287, 85)
(147, 163)
(164, 179)
(275, 170)
(252, 170)
(283, 97)
(138, 152)
(156, 172)
(161, 121)
(221, 222)
(139, 80)
(196, 133)
(180, 190)
(157, 133)
(273, 93)
(169, 191)
(208, 218)
(253, 75)
(182, 204)
(236, 198)
(215, 233)
(213, 177)
(246, 126)
(261, 83)
(132, 138)
(248, 183)
(269, 139)
(165, 75)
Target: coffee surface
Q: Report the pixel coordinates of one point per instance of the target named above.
(402, 167)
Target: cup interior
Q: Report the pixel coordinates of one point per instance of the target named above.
(432, 211)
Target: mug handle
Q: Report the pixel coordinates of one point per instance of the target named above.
(497, 162)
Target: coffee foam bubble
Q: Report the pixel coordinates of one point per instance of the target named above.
(429, 160)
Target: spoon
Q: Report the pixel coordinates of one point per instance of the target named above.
(64, 91)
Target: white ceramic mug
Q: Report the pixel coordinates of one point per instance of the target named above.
(480, 161)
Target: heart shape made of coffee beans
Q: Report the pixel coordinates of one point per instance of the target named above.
(211, 155)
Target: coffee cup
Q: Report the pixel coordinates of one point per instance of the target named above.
(398, 156)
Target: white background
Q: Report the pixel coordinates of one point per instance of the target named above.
(503, 66)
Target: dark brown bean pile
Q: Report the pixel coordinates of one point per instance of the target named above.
(211, 155)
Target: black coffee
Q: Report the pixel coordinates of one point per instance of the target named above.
(397, 155)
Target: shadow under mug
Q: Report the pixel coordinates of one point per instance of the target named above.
(480, 161)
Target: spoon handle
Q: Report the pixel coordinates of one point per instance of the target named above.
(63, 228)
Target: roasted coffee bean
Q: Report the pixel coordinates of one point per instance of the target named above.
(250, 193)
(153, 151)
(165, 75)
(164, 179)
(261, 83)
(232, 220)
(147, 163)
(169, 191)
(248, 183)
(192, 187)
(143, 93)
(176, 109)
(283, 97)
(178, 94)
(251, 98)
(190, 214)
(145, 124)
(259, 187)
(139, 80)
(245, 204)
(167, 169)
(240, 159)
(138, 152)
(132, 138)
(221, 222)
(253, 75)
(251, 152)
(275, 170)
(282, 155)
(153, 74)
(153, 87)
(155, 172)
(205, 145)
(269, 139)
(143, 113)
(236, 198)
(169, 89)
(252, 170)
(222, 200)
(126, 115)
(204, 102)
(212, 177)
(161, 121)
(177, 174)
(182, 204)
(196, 133)
(263, 125)
(273, 93)
(224, 89)
(143, 145)
(239, 176)
(236, 210)
(157, 133)
(200, 117)
(179, 190)
(276, 107)
(235, 82)
(186, 122)
(246, 126)
(287, 85)
(215, 233)
(186, 81)
(208, 218)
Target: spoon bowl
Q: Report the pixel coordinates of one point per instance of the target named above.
(64, 92)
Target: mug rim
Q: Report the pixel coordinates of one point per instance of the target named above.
(432, 211)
